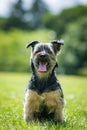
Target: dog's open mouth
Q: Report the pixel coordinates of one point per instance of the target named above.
(42, 67)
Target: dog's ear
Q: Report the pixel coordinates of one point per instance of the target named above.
(32, 44)
(57, 45)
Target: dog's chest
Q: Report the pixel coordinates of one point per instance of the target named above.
(47, 100)
(42, 86)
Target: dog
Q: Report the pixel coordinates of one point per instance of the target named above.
(44, 97)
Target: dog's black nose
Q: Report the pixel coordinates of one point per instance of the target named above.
(42, 56)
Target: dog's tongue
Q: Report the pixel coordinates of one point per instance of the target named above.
(42, 67)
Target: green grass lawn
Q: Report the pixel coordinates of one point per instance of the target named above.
(12, 90)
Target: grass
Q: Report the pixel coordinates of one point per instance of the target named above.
(12, 90)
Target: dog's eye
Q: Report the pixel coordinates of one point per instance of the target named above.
(49, 51)
(36, 51)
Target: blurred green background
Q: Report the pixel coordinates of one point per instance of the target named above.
(38, 23)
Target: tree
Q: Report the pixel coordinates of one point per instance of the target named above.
(74, 54)
(16, 18)
(26, 18)
(17, 10)
(38, 10)
(60, 21)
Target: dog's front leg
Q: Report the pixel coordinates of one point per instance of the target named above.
(28, 113)
(31, 105)
(59, 115)
(55, 103)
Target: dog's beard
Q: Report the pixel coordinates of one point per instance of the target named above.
(42, 64)
(43, 68)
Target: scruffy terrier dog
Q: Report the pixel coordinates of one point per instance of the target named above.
(44, 97)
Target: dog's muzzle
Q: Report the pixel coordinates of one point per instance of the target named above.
(43, 62)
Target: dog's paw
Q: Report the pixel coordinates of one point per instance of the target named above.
(28, 118)
(59, 120)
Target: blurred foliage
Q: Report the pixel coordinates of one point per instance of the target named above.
(26, 19)
(70, 25)
(13, 53)
(74, 55)
(59, 23)
(38, 10)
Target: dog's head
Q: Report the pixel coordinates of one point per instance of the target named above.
(43, 58)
